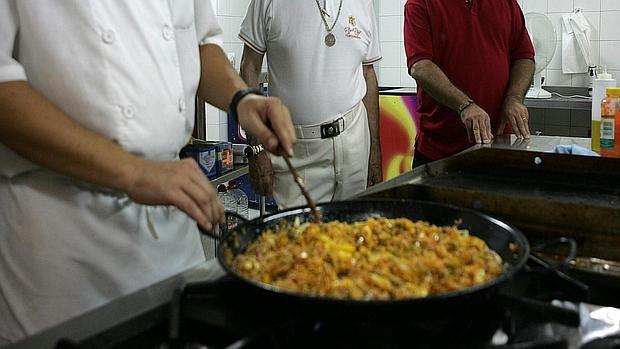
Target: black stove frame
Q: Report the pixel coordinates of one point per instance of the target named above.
(226, 314)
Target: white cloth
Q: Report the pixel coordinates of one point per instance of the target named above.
(129, 71)
(331, 168)
(576, 35)
(316, 82)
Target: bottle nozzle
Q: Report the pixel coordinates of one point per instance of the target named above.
(592, 71)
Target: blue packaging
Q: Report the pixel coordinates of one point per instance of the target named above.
(206, 157)
(225, 157)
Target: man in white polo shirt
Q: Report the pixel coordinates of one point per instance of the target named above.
(320, 58)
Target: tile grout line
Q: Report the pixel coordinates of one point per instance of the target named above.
(600, 29)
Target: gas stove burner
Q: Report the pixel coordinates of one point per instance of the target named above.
(612, 342)
(466, 331)
(262, 322)
(224, 314)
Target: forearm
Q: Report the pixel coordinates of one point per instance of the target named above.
(521, 73)
(218, 79)
(251, 65)
(37, 130)
(371, 102)
(249, 72)
(434, 82)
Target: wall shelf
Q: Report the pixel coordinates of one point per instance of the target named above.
(237, 172)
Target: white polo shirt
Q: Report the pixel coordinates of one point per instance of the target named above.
(315, 81)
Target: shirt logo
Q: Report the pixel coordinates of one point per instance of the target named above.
(352, 21)
(352, 31)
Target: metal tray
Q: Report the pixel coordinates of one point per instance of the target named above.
(546, 195)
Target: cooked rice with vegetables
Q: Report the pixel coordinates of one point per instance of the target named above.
(378, 258)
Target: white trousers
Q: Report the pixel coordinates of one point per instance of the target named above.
(332, 169)
(66, 248)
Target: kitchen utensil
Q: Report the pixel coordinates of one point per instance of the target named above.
(300, 184)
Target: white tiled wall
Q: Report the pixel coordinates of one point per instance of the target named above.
(603, 15)
(230, 13)
(392, 69)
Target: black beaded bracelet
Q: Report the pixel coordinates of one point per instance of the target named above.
(253, 150)
(238, 97)
(465, 105)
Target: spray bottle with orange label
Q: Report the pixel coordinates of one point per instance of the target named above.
(610, 124)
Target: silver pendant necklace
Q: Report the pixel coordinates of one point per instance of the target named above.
(330, 39)
(324, 8)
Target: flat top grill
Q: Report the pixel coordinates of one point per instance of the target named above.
(544, 194)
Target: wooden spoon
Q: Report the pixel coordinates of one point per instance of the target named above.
(300, 184)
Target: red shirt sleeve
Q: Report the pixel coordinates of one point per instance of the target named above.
(520, 42)
(417, 32)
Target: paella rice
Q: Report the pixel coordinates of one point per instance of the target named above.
(378, 258)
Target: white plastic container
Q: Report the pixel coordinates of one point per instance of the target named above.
(241, 199)
(230, 205)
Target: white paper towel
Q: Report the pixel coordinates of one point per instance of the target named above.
(576, 34)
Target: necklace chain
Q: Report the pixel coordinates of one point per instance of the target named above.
(322, 12)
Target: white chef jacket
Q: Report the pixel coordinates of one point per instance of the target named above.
(128, 70)
(316, 82)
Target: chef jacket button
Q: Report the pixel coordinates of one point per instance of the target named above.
(182, 104)
(108, 36)
(129, 111)
(167, 33)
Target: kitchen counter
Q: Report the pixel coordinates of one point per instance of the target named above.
(535, 143)
(555, 102)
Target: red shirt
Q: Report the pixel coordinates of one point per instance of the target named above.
(474, 45)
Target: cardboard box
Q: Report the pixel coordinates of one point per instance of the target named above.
(205, 155)
(224, 161)
(225, 158)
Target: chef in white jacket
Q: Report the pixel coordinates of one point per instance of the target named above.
(96, 99)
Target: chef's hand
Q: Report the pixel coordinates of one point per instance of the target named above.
(261, 174)
(179, 183)
(478, 124)
(269, 120)
(513, 112)
(375, 175)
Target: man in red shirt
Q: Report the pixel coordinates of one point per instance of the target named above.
(473, 61)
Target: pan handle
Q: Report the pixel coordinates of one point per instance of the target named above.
(542, 311)
(572, 250)
(578, 286)
(223, 228)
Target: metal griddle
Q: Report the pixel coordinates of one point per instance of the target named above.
(544, 194)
